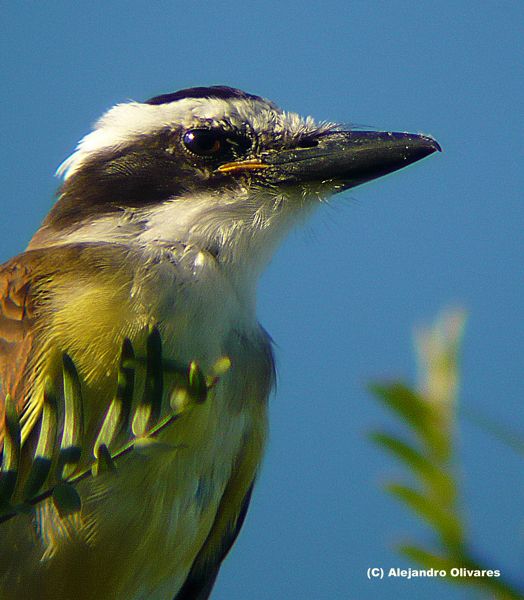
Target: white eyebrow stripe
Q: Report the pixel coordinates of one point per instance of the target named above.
(130, 121)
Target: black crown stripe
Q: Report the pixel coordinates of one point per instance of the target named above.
(215, 91)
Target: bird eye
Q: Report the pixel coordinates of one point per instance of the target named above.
(204, 142)
(215, 142)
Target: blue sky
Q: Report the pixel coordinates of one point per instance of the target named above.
(344, 292)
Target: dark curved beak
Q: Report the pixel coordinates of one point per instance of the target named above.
(348, 158)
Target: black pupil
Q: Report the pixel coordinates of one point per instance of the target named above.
(216, 142)
(203, 141)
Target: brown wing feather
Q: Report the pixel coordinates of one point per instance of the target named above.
(43, 314)
(70, 299)
(16, 329)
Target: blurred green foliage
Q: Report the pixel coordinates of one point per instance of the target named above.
(426, 448)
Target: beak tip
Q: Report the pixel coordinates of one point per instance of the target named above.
(433, 145)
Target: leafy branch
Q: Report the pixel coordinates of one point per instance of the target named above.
(426, 448)
(62, 458)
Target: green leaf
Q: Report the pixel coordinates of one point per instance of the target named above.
(445, 522)
(11, 451)
(428, 560)
(66, 499)
(419, 414)
(197, 382)
(439, 483)
(46, 442)
(71, 443)
(149, 409)
(406, 403)
(117, 416)
(105, 462)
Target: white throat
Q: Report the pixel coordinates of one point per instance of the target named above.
(236, 232)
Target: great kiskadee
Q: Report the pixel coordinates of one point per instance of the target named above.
(168, 212)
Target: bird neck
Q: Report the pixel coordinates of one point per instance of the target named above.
(237, 233)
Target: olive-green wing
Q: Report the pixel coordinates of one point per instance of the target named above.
(201, 579)
(230, 515)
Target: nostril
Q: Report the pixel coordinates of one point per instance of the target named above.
(307, 143)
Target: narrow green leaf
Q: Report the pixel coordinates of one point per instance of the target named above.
(439, 483)
(66, 499)
(116, 419)
(149, 409)
(197, 382)
(46, 442)
(409, 405)
(71, 443)
(423, 417)
(445, 522)
(428, 560)
(11, 452)
(222, 366)
(105, 463)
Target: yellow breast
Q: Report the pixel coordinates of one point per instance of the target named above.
(155, 515)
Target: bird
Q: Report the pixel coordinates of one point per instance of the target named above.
(168, 212)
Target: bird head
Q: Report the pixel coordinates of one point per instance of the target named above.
(218, 168)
